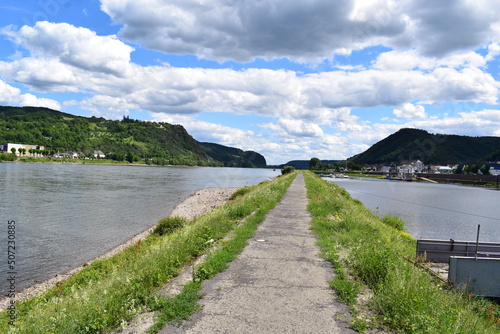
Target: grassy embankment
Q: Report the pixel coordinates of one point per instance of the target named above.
(369, 253)
(110, 292)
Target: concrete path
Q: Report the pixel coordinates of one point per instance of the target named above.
(278, 284)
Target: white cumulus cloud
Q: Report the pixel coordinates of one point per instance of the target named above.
(299, 128)
(79, 47)
(12, 96)
(411, 111)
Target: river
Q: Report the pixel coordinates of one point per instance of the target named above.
(67, 214)
(431, 211)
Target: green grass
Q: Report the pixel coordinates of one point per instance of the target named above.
(110, 292)
(177, 308)
(239, 192)
(369, 253)
(394, 222)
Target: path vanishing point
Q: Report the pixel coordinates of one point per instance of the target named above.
(278, 284)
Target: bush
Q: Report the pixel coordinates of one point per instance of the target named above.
(7, 157)
(169, 225)
(117, 157)
(287, 170)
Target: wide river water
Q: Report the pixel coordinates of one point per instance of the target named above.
(67, 214)
(431, 211)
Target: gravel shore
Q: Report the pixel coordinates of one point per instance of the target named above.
(199, 203)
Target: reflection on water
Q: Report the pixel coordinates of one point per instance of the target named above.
(68, 214)
(432, 211)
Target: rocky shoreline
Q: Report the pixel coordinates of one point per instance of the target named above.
(199, 203)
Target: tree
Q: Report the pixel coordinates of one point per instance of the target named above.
(13, 150)
(130, 157)
(117, 157)
(314, 163)
(485, 170)
(287, 169)
(474, 169)
(354, 166)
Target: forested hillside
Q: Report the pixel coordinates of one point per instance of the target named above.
(161, 143)
(413, 144)
(234, 157)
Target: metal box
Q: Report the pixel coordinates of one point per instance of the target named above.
(479, 276)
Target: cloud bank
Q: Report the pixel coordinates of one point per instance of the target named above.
(426, 54)
(243, 30)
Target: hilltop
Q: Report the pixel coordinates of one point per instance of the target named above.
(234, 157)
(413, 144)
(157, 142)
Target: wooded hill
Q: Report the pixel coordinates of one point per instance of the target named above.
(437, 149)
(157, 142)
(234, 157)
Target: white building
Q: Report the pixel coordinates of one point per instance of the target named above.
(406, 171)
(418, 166)
(7, 148)
(98, 154)
(445, 170)
(385, 169)
(494, 170)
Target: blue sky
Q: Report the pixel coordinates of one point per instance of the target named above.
(291, 80)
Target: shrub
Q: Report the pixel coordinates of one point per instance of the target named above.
(169, 225)
(287, 170)
(7, 157)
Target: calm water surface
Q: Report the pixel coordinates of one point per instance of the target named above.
(432, 211)
(68, 214)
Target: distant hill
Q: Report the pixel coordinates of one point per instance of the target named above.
(304, 164)
(495, 156)
(161, 142)
(413, 144)
(234, 157)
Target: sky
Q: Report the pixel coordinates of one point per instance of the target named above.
(290, 79)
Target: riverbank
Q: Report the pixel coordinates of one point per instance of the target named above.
(484, 181)
(385, 290)
(100, 162)
(199, 203)
(110, 292)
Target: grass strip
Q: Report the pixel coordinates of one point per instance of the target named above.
(108, 293)
(218, 260)
(368, 254)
